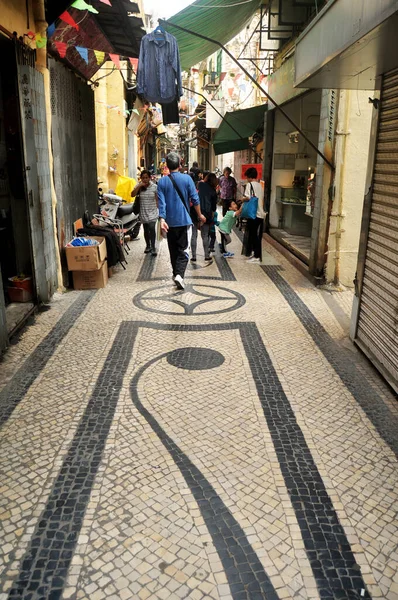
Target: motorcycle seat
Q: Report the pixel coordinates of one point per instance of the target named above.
(125, 209)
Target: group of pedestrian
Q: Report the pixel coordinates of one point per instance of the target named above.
(187, 203)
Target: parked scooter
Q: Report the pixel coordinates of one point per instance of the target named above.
(113, 208)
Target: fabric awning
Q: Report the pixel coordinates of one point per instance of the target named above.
(222, 22)
(236, 128)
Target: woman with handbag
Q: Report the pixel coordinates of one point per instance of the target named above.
(146, 197)
(252, 239)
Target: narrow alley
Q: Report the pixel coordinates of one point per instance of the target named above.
(226, 441)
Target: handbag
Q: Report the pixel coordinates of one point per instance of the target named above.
(137, 204)
(249, 208)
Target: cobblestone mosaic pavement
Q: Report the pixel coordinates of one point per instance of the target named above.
(223, 442)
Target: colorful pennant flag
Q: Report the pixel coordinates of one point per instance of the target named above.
(41, 41)
(82, 5)
(83, 53)
(134, 62)
(100, 56)
(68, 19)
(51, 30)
(31, 35)
(106, 2)
(115, 58)
(61, 48)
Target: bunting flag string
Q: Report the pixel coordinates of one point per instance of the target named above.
(100, 56)
(69, 20)
(41, 41)
(82, 5)
(83, 53)
(106, 2)
(61, 48)
(51, 30)
(115, 58)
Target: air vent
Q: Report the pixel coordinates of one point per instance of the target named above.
(332, 115)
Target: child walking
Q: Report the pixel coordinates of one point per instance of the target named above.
(215, 223)
(226, 226)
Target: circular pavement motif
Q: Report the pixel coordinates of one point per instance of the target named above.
(196, 299)
(195, 359)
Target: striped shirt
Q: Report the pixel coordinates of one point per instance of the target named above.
(148, 208)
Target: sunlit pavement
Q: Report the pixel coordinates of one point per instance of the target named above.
(226, 441)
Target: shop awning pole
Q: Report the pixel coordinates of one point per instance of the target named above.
(220, 115)
(260, 87)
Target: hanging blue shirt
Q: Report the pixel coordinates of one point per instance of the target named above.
(159, 71)
(171, 208)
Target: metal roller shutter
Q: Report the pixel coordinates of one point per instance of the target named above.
(377, 332)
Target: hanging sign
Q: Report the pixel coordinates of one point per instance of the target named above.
(213, 119)
(257, 166)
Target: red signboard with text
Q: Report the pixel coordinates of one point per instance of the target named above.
(258, 167)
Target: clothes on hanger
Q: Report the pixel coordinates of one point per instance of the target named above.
(159, 71)
(170, 113)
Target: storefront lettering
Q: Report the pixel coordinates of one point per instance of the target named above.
(27, 104)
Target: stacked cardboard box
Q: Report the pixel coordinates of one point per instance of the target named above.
(88, 265)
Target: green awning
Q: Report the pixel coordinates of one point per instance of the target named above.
(236, 128)
(221, 23)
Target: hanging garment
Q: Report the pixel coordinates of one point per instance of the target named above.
(170, 113)
(159, 69)
(114, 249)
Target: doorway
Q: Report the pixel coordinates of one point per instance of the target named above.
(15, 243)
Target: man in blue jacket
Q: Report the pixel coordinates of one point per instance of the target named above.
(175, 192)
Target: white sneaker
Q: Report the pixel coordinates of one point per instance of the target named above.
(178, 280)
(254, 260)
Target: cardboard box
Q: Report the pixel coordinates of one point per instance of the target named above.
(86, 258)
(91, 280)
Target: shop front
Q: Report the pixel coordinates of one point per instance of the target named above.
(352, 45)
(293, 176)
(27, 247)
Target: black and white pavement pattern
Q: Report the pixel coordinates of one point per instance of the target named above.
(221, 442)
